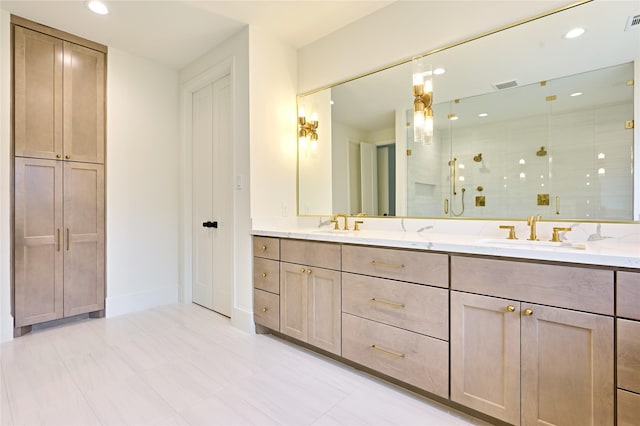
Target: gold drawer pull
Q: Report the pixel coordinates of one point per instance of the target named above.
(511, 308)
(58, 239)
(397, 355)
(386, 302)
(264, 275)
(68, 240)
(265, 309)
(528, 312)
(388, 265)
(264, 248)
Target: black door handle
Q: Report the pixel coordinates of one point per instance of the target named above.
(210, 224)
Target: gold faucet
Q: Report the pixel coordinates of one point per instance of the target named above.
(531, 221)
(346, 223)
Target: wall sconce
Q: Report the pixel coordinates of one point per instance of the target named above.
(307, 130)
(422, 98)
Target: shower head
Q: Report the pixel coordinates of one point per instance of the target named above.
(478, 158)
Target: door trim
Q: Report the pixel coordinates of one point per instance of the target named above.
(187, 89)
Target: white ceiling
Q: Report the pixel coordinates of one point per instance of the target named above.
(174, 33)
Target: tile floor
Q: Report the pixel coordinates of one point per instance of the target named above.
(185, 365)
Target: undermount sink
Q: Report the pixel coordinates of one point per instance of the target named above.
(527, 244)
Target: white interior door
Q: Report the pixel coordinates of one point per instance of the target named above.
(213, 197)
(369, 178)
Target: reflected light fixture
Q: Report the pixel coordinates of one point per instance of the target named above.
(576, 32)
(307, 130)
(97, 7)
(422, 99)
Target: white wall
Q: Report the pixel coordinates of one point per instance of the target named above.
(402, 30)
(6, 320)
(273, 125)
(143, 195)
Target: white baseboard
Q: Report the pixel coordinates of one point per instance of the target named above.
(123, 304)
(243, 320)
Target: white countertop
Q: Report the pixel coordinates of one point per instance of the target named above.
(604, 252)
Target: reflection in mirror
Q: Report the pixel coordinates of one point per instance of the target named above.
(569, 157)
(557, 148)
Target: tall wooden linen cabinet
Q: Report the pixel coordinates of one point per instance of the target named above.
(59, 149)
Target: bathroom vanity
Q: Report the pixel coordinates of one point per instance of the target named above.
(524, 334)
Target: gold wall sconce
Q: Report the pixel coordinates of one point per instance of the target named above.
(307, 130)
(422, 100)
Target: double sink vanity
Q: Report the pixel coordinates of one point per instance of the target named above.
(525, 332)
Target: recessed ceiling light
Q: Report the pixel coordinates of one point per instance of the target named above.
(483, 114)
(439, 71)
(576, 94)
(97, 7)
(576, 32)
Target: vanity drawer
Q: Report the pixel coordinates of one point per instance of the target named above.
(628, 294)
(414, 307)
(404, 265)
(266, 274)
(628, 408)
(629, 355)
(266, 247)
(266, 309)
(584, 289)
(410, 357)
(311, 253)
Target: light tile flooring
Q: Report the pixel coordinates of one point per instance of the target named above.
(185, 365)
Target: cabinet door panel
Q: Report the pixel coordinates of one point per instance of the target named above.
(485, 355)
(629, 355)
(293, 300)
(266, 247)
(314, 253)
(628, 408)
(266, 274)
(38, 94)
(84, 233)
(38, 252)
(324, 309)
(266, 307)
(567, 367)
(419, 360)
(84, 83)
(414, 307)
(628, 294)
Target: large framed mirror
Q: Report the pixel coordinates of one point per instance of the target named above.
(526, 122)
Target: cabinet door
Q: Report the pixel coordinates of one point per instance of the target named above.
(293, 300)
(84, 83)
(38, 246)
(37, 94)
(84, 238)
(567, 367)
(485, 355)
(324, 309)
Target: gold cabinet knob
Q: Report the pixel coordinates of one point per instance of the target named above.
(264, 275)
(67, 156)
(264, 248)
(303, 270)
(511, 308)
(58, 156)
(528, 312)
(265, 309)
(309, 271)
